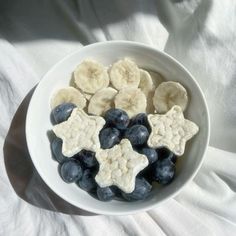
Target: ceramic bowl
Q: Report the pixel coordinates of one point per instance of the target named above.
(38, 124)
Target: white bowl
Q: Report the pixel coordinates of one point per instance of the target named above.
(38, 123)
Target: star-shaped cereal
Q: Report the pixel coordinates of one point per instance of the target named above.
(119, 166)
(171, 130)
(80, 131)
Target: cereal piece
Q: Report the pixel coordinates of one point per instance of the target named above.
(119, 166)
(80, 131)
(171, 130)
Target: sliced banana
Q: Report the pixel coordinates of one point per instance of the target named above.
(168, 94)
(102, 101)
(124, 73)
(68, 94)
(147, 87)
(131, 100)
(146, 84)
(91, 76)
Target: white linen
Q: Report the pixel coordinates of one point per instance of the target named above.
(199, 33)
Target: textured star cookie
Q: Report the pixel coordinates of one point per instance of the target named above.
(80, 131)
(171, 130)
(119, 166)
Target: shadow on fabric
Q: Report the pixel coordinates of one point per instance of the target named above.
(22, 174)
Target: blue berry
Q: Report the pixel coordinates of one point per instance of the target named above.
(164, 153)
(109, 137)
(105, 194)
(87, 158)
(87, 182)
(163, 171)
(70, 171)
(117, 118)
(62, 112)
(150, 153)
(137, 134)
(141, 191)
(140, 119)
(56, 146)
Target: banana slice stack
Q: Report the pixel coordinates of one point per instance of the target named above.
(122, 85)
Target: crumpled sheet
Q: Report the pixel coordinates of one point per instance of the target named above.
(34, 35)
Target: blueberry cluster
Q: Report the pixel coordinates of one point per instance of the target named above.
(83, 167)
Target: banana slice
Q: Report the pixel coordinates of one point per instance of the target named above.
(124, 73)
(131, 100)
(168, 94)
(68, 94)
(146, 84)
(91, 76)
(102, 101)
(147, 87)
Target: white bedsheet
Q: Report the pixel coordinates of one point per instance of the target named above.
(201, 34)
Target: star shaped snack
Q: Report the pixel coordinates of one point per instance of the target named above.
(171, 130)
(119, 166)
(80, 131)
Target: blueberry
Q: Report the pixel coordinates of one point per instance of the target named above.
(109, 137)
(163, 171)
(140, 119)
(164, 153)
(150, 153)
(56, 150)
(62, 112)
(70, 171)
(141, 191)
(105, 194)
(87, 158)
(117, 118)
(87, 182)
(137, 134)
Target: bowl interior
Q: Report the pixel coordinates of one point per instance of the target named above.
(38, 124)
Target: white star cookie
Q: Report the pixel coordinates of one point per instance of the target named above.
(119, 166)
(171, 130)
(80, 131)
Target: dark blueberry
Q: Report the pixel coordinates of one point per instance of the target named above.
(150, 153)
(140, 119)
(105, 194)
(116, 190)
(109, 137)
(146, 173)
(141, 191)
(70, 171)
(163, 171)
(137, 134)
(117, 118)
(87, 182)
(62, 112)
(87, 158)
(164, 153)
(56, 146)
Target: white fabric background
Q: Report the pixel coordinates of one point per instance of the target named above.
(201, 34)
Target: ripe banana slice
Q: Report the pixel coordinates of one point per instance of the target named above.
(91, 76)
(68, 94)
(146, 84)
(168, 94)
(131, 100)
(124, 73)
(102, 101)
(147, 87)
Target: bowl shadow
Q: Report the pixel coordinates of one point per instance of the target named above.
(21, 172)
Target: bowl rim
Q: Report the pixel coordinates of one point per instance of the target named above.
(144, 208)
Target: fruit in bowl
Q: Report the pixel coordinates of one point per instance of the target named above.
(155, 67)
(113, 140)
